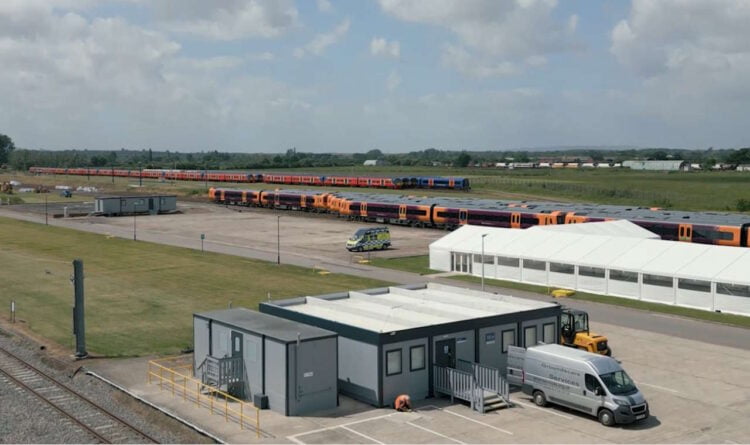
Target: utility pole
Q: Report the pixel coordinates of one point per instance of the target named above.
(278, 239)
(79, 328)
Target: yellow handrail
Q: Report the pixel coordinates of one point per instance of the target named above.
(170, 376)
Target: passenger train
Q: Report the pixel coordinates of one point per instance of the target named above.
(400, 182)
(698, 227)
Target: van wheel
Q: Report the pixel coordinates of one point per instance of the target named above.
(606, 417)
(539, 398)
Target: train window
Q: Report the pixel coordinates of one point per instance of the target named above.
(658, 280)
(534, 264)
(507, 262)
(696, 285)
(711, 234)
(595, 272)
(562, 268)
(623, 275)
(736, 290)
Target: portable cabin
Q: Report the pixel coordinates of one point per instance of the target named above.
(286, 366)
(397, 340)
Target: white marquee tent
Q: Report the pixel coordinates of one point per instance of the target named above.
(615, 258)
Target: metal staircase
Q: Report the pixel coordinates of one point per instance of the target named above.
(482, 386)
(223, 373)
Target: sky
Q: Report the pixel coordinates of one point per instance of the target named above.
(355, 75)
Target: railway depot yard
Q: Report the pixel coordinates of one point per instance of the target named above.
(696, 389)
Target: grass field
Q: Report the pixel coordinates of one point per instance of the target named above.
(416, 264)
(140, 297)
(420, 264)
(717, 191)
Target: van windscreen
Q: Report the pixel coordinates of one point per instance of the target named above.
(619, 383)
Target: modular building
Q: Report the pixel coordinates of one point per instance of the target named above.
(137, 204)
(615, 258)
(289, 366)
(664, 166)
(392, 340)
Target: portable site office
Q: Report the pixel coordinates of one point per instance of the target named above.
(290, 366)
(392, 340)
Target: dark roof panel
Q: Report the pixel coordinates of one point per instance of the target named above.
(263, 324)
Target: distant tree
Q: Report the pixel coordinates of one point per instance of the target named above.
(374, 154)
(660, 155)
(6, 147)
(708, 164)
(463, 159)
(741, 156)
(98, 161)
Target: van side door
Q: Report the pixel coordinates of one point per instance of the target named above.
(590, 399)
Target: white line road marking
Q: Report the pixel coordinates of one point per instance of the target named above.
(295, 440)
(360, 434)
(674, 391)
(476, 421)
(293, 437)
(548, 411)
(435, 432)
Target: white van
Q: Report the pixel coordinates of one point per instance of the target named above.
(591, 383)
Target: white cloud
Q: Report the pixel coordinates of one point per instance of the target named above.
(499, 36)
(694, 61)
(227, 19)
(324, 6)
(393, 81)
(262, 56)
(322, 41)
(105, 83)
(382, 47)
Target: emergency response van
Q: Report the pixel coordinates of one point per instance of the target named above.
(591, 383)
(373, 238)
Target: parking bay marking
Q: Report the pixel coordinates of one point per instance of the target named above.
(548, 411)
(435, 432)
(673, 391)
(469, 419)
(294, 437)
(362, 435)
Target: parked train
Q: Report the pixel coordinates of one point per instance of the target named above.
(401, 182)
(698, 227)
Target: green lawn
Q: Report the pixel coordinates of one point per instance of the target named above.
(139, 296)
(417, 264)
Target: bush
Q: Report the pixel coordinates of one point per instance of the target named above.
(743, 205)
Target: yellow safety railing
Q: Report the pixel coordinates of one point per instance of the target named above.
(180, 381)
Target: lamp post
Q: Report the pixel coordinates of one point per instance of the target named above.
(278, 239)
(483, 236)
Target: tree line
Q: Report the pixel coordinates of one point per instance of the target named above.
(22, 159)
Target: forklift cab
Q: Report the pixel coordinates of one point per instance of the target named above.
(574, 332)
(572, 322)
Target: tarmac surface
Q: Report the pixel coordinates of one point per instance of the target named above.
(311, 240)
(697, 393)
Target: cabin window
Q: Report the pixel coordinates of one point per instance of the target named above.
(696, 285)
(507, 262)
(563, 268)
(529, 336)
(623, 275)
(595, 272)
(534, 264)
(548, 333)
(416, 358)
(509, 339)
(393, 362)
(735, 290)
(658, 280)
(488, 259)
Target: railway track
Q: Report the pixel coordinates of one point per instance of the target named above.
(82, 413)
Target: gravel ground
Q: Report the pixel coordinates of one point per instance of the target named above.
(25, 419)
